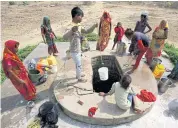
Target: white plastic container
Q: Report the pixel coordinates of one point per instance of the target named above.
(103, 73)
(53, 69)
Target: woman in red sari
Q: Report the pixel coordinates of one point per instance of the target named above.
(16, 72)
(104, 31)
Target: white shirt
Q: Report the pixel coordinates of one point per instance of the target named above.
(121, 95)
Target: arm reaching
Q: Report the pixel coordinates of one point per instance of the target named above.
(68, 34)
(112, 90)
(91, 29)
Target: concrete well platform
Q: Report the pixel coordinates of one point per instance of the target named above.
(68, 92)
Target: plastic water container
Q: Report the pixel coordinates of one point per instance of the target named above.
(43, 62)
(103, 73)
(159, 71)
(53, 69)
(52, 60)
(154, 62)
(121, 48)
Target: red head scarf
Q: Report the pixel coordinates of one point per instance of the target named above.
(9, 53)
(108, 18)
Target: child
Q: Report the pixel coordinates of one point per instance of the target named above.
(123, 93)
(73, 33)
(126, 40)
(142, 24)
(48, 34)
(119, 30)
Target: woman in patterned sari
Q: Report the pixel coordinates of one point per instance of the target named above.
(158, 39)
(104, 31)
(48, 34)
(16, 72)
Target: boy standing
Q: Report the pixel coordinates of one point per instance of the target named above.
(73, 34)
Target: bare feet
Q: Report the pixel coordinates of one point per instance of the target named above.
(82, 80)
(56, 54)
(82, 75)
(130, 72)
(101, 94)
(137, 111)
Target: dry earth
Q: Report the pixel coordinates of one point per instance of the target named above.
(22, 23)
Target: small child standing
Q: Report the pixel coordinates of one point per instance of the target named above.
(74, 33)
(119, 30)
(123, 93)
(48, 36)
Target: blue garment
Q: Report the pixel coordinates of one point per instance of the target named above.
(143, 37)
(136, 37)
(174, 73)
(130, 97)
(78, 63)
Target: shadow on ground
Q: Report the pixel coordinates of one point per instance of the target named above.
(172, 110)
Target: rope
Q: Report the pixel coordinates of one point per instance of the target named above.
(129, 62)
(101, 55)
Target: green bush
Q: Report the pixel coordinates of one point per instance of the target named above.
(25, 3)
(22, 54)
(3, 77)
(90, 37)
(60, 39)
(11, 2)
(172, 52)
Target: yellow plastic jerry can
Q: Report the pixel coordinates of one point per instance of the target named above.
(159, 71)
(52, 60)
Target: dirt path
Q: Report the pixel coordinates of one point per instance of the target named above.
(22, 23)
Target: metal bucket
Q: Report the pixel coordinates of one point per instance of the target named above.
(121, 48)
(154, 62)
(164, 84)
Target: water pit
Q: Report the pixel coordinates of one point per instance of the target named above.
(114, 70)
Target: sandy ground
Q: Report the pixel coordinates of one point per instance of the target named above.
(22, 23)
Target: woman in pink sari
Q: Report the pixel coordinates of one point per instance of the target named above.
(16, 71)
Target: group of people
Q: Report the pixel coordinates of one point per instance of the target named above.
(16, 72)
(140, 44)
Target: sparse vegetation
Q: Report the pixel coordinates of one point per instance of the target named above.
(25, 3)
(22, 54)
(60, 39)
(90, 37)
(12, 3)
(172, 52)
